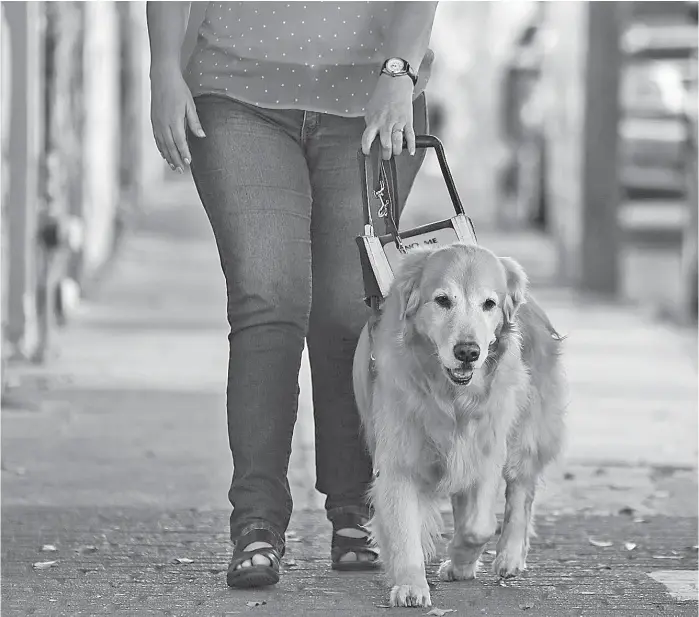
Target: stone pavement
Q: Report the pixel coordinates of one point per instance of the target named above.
(116, 454)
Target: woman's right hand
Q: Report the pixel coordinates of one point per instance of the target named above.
(172, 108)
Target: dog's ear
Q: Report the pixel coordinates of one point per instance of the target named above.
(406, 285)
(517, 284)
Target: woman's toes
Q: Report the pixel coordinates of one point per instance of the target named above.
(351, 532)
(260, 560)
(245, 564)
(349, 557)
(257, 560)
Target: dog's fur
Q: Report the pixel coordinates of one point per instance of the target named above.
(430, 434)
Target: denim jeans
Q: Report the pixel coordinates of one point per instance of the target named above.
(281, 190)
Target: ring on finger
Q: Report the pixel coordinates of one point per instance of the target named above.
(396, 131)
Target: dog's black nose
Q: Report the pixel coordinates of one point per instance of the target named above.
(467, 352)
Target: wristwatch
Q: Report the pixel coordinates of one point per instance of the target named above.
(395, 67)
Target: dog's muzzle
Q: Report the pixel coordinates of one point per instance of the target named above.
(461, 376)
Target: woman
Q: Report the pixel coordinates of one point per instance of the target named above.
(273, 106)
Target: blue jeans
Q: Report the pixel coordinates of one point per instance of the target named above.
(281, 190)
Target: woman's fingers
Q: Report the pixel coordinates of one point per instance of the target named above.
(178, 135)
(173, 153)
(386, 141)
(193, 120)
(163, 149)
(409, 134)
(397, 139)
(391, 135)
(368, 138)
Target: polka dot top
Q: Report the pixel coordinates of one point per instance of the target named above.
(315, 56)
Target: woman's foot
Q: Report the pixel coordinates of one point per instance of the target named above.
(255, 561)
(348, 532)
(353, 532)
(351, 547)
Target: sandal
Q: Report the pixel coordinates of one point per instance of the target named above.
(341, 545)
(255, 576)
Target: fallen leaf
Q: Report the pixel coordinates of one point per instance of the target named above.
(629, 546)
(603, 566)
(639, 519)
(44, 565)
(290, 563)
(666, 557)
(502, 583)
(49, 548)
(440, 612)
(255, 603)
(382, 605)
(600, 543)
(183, 560)
(526, 607)
(87, 548)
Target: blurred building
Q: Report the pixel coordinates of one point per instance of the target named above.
(77, 154)
(575, 119)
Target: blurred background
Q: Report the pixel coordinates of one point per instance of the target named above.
(571, 131)
(572, 122)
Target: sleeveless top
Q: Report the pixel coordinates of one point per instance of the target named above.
(314, 56)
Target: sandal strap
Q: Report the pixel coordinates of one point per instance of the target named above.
(260, 535)
(349, 520)
(347, 544)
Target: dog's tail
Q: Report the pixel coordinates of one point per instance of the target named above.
(539, 313)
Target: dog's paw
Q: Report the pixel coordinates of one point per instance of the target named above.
(509, 563)
(449, 571)
(411, 595)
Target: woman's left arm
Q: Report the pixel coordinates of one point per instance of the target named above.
(389, 112)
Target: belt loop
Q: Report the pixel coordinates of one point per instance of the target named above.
(303, 127)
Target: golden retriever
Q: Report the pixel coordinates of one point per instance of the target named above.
(457, 383)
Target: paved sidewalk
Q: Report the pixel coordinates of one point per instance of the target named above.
(117, 454)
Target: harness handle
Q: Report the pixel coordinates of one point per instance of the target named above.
(384, 183)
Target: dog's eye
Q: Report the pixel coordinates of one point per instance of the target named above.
(443, 301)
(489, 304)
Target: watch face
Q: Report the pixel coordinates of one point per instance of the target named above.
(395, 65)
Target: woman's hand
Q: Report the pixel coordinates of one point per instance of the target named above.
(389, 115)
(172, 107)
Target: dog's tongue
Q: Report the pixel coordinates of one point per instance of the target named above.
(461, 372)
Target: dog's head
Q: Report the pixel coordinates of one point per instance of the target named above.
(457, 298)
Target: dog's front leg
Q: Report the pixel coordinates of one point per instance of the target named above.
(399, 534)
(474, 526)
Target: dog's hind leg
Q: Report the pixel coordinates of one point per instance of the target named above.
(474, 526)
(513, 544)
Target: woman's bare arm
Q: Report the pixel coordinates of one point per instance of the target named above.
(172, 106)
(167, 25)
(409, 34)
(389, 112)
